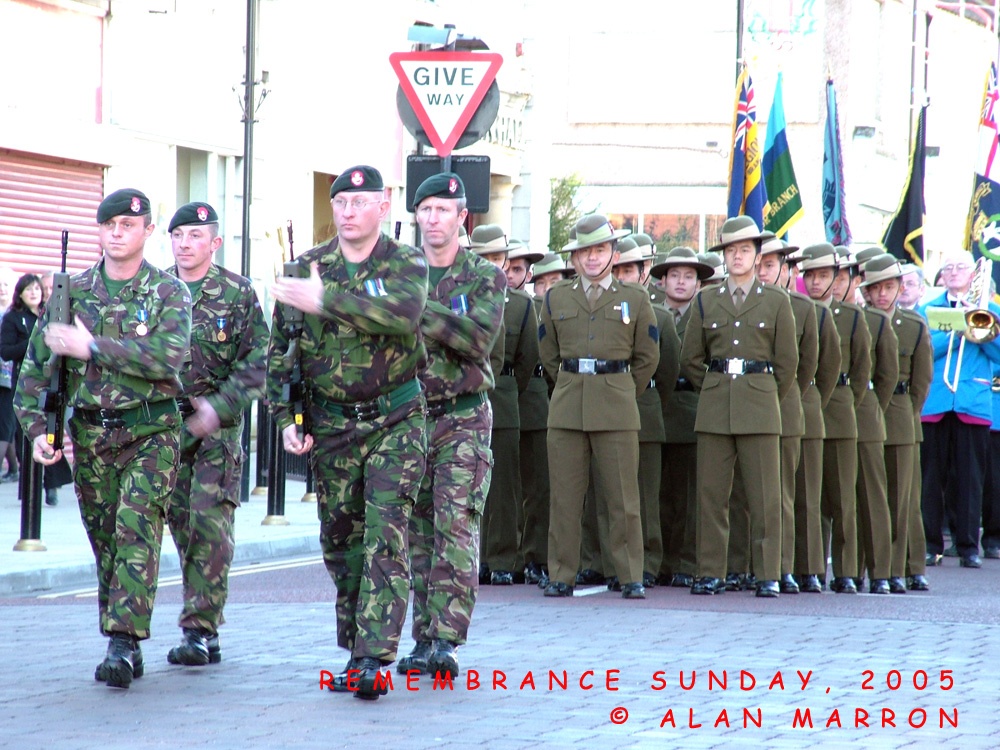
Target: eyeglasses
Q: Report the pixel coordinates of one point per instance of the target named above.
(959, 268)
(357, 204)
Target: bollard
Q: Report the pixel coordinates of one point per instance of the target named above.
(310, 494)
(275, 481)
(30, 491)
(245, 446)
(263, 431)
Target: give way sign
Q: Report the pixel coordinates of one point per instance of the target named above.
(444, 89)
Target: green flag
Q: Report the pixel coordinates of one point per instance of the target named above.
(784, 203)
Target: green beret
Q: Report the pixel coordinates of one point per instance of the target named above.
(361, 178)
(193, 213)
(444, 185)
(124, 202)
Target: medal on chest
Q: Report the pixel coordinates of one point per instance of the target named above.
(142, 316)
(626, 317)
(220, 324)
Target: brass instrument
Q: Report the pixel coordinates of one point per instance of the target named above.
(981, 325)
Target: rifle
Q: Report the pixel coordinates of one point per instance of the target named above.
(57, 308)
(293, 390)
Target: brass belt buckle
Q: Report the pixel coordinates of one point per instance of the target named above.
(735, 366)
(588, 367)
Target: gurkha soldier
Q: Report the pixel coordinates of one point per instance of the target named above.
(461, 323)
(598, 340)
(883, 275)
(681, 273)
(500, 529)
(819, 267)
(360, 350)
(718, 265)
(874, 532)
(645, 243)
(124, 351)
(533, 411)
(223, 375)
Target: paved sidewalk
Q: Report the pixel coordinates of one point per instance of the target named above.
(69, 562)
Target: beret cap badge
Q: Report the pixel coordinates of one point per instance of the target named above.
(202, 213)
(136, 205)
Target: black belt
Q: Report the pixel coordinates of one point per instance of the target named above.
(437, 409)
(683, 384)
(596, 366)
(902, 387)
(366, 411)
(507, 369)
(740, 366)
(539, 372)
(844, 379)
(145, 413)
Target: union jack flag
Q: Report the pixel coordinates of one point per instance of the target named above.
(746, 184)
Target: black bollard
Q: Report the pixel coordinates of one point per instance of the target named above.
(263, 457)
(310, 494)
(30, 492)
(245, 445)
(275, 480)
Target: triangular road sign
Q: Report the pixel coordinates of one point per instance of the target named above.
(444, 89)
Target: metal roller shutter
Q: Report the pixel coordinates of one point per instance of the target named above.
(39, 197)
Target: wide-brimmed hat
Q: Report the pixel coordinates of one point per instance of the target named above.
(717, 264)
(845, 258)
(644, 240)
(519, 249)
(681, 256)
(736, 229)
(881, 267)
(866, 254)
(593, 230)
(552, 263)
(489, 238)
(821, 255)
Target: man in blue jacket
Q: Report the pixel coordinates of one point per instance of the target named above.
(956, 417)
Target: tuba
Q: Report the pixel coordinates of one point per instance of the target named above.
(981, 325)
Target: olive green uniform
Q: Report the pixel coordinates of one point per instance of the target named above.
(533, 410)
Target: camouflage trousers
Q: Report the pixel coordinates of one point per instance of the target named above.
(444, 529)
(367, 475)
(123, 478)
(200, 513)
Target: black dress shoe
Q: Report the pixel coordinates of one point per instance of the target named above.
(992, 553)
(417, 659)
(767, 589)
(879, 586)
(193, 650)
(613, 584)
(347, 676)
(951, 551)
(843, 585)
(484, 575)
(533, 573)
(648, 580)
(788, 584)
(736, 582)
(589, 577)
(708, 586)
(633, 591)
(557, 588)
(933, 559)
(371, 683)
(971, 561)
(544, 580)
(138, 669)
(859, 582)
(444, 660)
(918, 583)
(682, 580)
(810, 584)
(897, 585)
(501, 578)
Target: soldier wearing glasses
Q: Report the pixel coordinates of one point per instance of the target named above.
(740, 352)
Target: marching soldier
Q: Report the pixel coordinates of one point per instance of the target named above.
(124, 351)
(714, 260)
(461, 324)
(883, 275)
(599, 341)
(739, 351)
(223, 375)
(681, 273)
(500, 528)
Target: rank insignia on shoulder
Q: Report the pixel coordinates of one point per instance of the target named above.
(375, 288)
(460, 304)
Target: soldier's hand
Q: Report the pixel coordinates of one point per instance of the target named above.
(302, 294)
(204, 421)
(42, 452)
(290, 437)
(71, 340)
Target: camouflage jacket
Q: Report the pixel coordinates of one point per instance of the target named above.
(225, 364)
(366, 342)
(142, 337)
(461, 323)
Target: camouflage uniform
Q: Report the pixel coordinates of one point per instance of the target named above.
(360, 360)
(461, 324)
(226, 368)
(125, 428)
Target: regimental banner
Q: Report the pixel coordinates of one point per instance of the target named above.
(784, 202)
(982, 233)
(746, 182)
(838, 232)
(904, 237)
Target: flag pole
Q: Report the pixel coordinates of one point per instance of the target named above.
(739, 36)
